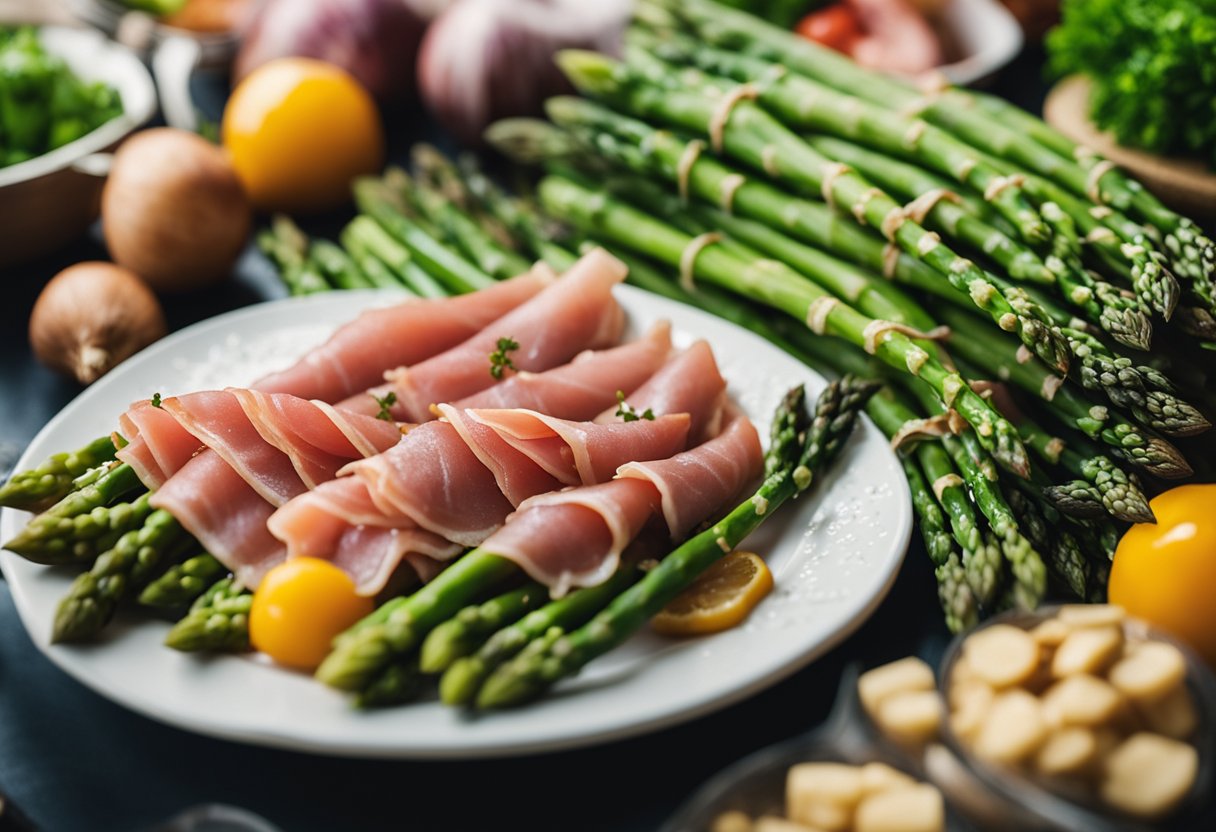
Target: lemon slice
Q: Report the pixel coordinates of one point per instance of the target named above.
(720, 598)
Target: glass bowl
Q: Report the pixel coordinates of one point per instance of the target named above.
(756, 784)
(1041, 807)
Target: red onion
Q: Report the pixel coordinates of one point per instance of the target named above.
(376, 41)
(483, 60)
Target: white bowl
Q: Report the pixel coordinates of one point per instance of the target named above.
(986, 32)
(47, 201)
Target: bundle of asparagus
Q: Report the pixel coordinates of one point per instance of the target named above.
(815, 178)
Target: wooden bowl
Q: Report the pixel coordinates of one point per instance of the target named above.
(1186, 185)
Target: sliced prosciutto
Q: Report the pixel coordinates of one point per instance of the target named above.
(688, 383)
(576, 313)
(585, 386)
(575, 537)
(357, 355)
(692, 486)
(582, 452)
(317, 438)
(227, 516)
(157, 446)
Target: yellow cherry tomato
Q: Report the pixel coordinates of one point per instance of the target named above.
(299, 607)
(1164, 572)
(298, 130)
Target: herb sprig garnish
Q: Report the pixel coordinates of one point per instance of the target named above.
(386, 403)
(156, 399)
(627, 413)
(500, 361)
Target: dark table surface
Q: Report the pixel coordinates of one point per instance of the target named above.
(73, 760)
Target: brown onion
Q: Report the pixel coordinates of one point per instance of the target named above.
(92, 316)
(173, 210)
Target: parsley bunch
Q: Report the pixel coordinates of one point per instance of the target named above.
(1153, 67)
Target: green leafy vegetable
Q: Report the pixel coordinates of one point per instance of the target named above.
(1153, 67)
(500, 361)
(43, 105)
(627, 413)
(156, 399)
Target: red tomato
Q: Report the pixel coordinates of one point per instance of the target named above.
(836, 27)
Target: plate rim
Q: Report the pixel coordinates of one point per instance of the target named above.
(147, 704)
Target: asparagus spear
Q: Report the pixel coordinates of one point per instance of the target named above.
(393, 685)
(752, 240)
(806, 105)
(464, 632)
(372, 244)
(116, 483)
(78, 538)
(747, 132)
(464, 677)
(397, 627)
(183, 583)
(94, 595)
(993, 352)
(775, 285)
(50, 481)
(1099, 479)
(218, 622)
(287, 246)
(1064, 555)
(982, 567)
(456, 274)
(338, 266)
(1098, 302)
(1194, 255)
(791, 466)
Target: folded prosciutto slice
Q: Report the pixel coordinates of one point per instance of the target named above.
(575, 537)
(576, 313)
(688, 383)
(227, 516)
(157, 445)
(696, 484)
(357, 355)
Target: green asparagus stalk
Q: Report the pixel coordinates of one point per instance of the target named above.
(338, 266)
(183, 583)
(1098, 478)
(1194, 255)
(58, 539)
(397, 627)
(1098, 302)
(464, 632)
(51, 481)
(396, 684)
(118, 482)
(775, 285)
(286, 245)
(1025, 563)
(371, 243)
(1064, 556)
(464, 677)
(218, 622)
(994, 354)
(981, 562)
(750, 134)
(94, 595)
(791, 466)
(456, 274)
(803, 104)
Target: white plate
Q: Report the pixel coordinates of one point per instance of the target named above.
(834, 554)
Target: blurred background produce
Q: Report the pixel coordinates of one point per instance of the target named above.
(43, 104)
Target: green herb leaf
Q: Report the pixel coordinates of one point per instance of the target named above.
(627, 413)
(1152, 70)
(500, 361)
(386, 403)
(156, 399)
